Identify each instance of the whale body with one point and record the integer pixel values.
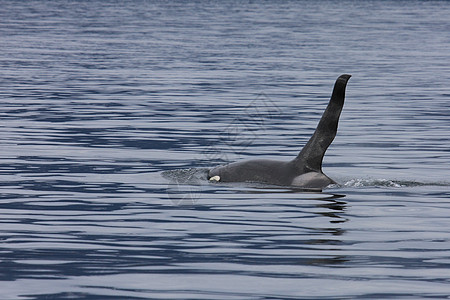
(304, 171)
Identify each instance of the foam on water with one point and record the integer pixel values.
(358, 182)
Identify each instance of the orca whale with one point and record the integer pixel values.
(304, 171)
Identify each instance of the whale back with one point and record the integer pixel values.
(311, 156)
(306, 169)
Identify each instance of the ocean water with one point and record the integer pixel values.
(111, 113)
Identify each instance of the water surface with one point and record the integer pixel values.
(99, 100)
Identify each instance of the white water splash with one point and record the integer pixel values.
(373, 183)
(389, 183)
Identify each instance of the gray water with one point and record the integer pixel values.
(112, 111)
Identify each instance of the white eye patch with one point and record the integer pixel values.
(215, 178)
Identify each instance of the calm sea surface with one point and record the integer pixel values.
(112, 111)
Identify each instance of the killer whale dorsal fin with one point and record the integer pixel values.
(311, 156)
